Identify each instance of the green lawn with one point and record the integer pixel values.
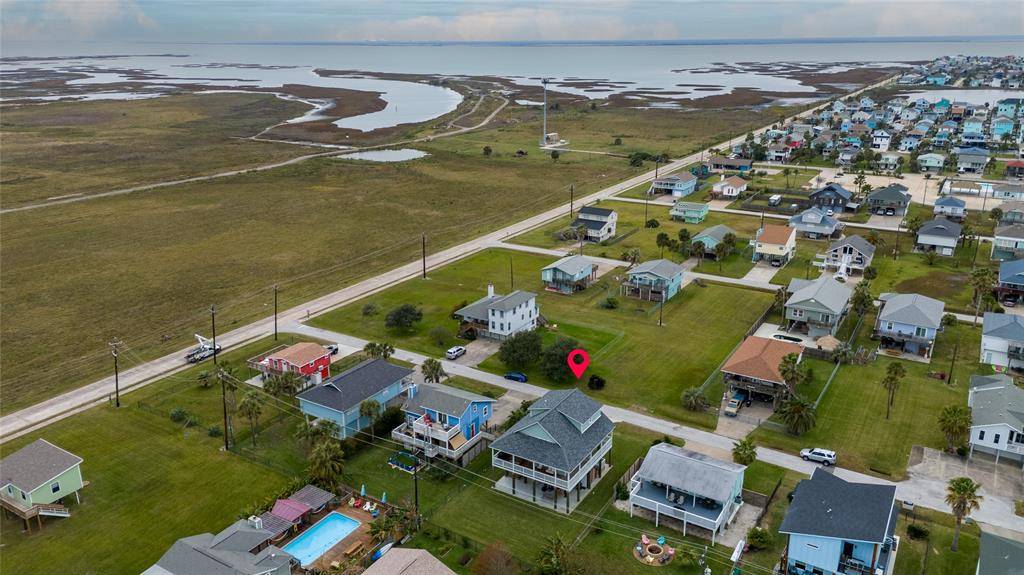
(626, 344)
(802, 264)
(935, 555)
(797, 178)
(979, 221)
(735, 265)
(947, 279)
(855, 406)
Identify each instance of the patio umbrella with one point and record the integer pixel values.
(384, 497)
(362, 491)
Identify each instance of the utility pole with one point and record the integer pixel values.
(572, 193)
(511, 275)
(423, 252)
(224, 405)
(114, 344)
(647, 197)
(213, 328)
(275, 312)
(952, 363)
(416, 493)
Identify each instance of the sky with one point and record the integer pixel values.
(498, 20)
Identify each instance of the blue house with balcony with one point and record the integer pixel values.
(975, 125)
(569, 274)
(836, 526)
(678, 185)
(338, 399)
(1008, 107)
(655, 280)
(689, 212)
(444, 421)
(908, 324)
(1002, 125)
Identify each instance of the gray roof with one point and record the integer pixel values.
(400, 561)
(559, 415)
(441, 398)
(911, 309)
(594, 211)
(1012, 271)
(994, 403)
(1010, 231)
(35, 464)
(950, 201)
(940, 227)
(824, 291)
(690, 471)
(227, 553)
(814, 220)
(313, 496)
(679, 177)
(1003, 325)
(1000, 556)
(836, 189)
(572, 265)
(590, 224)
(661, 268)
(856, 242)
(717, 233)
(478, 309)
(996, 379)
(890, 193)
(827, 506)
(350, 388)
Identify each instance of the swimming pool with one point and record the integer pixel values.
(316, 540)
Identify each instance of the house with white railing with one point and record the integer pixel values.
(689, 487)
(444, 421)
(557, 453)
(37, 480)
(997, 416)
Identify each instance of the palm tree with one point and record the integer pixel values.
(383, 527)
(791, 371)
(313, 431)
(744, 451)
(862, 300)
(205, 378)
(326, 463)
(433, 372)
(698, 250)
(995, 214)
(843, 353)
(554, 557)
(370, 408)
(874, 238)
(694, 400)
(913, 224)
(981, 280)
(382, 350)
(285, 384)
(781, 297)
(894, 374)
(955, 423)
(721, 252)
(632, 256)
(962, 497)
(251, 407)
(798, 415)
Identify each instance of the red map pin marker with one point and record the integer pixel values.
(578, 361)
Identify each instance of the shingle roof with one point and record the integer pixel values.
(682, 205)
(661, 268)
(835, 188)
(1004, 325)
(595, 211)
(940, 227)
(33, 465)
(590, 224)
(734, 181)
(690, 471)
(512, 300)
(828, 506)
(814, 220)
(227, 553)
(556, 415)
(350, 388)
(1012, 271)
(572, 265)
(950, 201)
(997, 403)
(825, 291)
(441, 398)
(400, 561)
(1000, 556)
(774, 234)
(759, 358)
(716, 232)
(856, 242)
(478, 310)
(680, 177)
(911, 309)
(1010, 231)
(301, 353)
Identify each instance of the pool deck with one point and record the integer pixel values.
(337, 553)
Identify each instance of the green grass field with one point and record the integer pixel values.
(626, 344)
(66, 148)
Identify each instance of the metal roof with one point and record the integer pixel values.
(33, 465)
(690, 471)
(828, 506)
(1000, 556)
(995, 403)
(443, 399)
(911, 309)
(1004, 325)
(824, 291)
(661, 268)
(350, 388)
(1012, 271)
(572, 265)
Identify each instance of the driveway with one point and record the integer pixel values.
(478, 350)
(877, 221)
(761, 272)
(1004, 479)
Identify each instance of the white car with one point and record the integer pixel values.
(455, 352)
(822, 456)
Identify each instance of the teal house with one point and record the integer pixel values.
(1001, 126)
(712, 236)
(339, 398)
(36, 480)
(445, 421)
(689, 212)
(569, 274)
(656, 280)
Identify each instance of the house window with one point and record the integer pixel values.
(920, 332)
(10, 489)
(485, 411)
(817, 571)
(888, 326)
(474, 408)
(23, 495)
(812, 545)
(55, 487)
(799, 565)
(981, 435)
(798, 313)
(995, 439)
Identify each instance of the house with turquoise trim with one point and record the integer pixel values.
(569, 274)
(689, 212)
(655, 280)
(975, 125)
(1000, 126)
(444, 421)
(339, 398)
(678, 185)
(837, 526)
(711, 237)
(36, 480)
(1008, 107)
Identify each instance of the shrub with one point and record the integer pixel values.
(610, 303)
(915, 531)
(870, 273)
(438, 335)
(178, 415)
(553, 362)
(487, 150)
(621, 491)
(520, 350)
(651, 223)
(403, 316)
(465, 559)
(596, 382)
(214, 431)
(370, 309)
(759, 538)
(617, 142)
(962, 450)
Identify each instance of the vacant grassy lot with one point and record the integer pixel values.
(83, 147)
(855, 406)
(626, 344)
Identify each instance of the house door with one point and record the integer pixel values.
(847, 549)
(472, 430)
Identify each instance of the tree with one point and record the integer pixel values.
(729, 239)
(981, 280)
(632, 256)
(555, 558)
(781, 297)
(521, 350)
(861, 301)
(962, 497)
(995, 214)
(381, 350)
(383, 528)
(433, 372)
(684, 237)
(487, 150)
(843, 353)
(874, 238)
(662, 240)
(744, 451)
(403, 316)
(652, 223)
(285, 384)
(860, 181)
(698, 250)
(555, 154)
(313, 431)
(893, 377)
(495, 559)
(955, 423)
(721, 252)
(251, 407)
(694, 400)
(798, 415)
(792, 372)
(914, 224)
(554, 360)
(370, 409)
(326, 464)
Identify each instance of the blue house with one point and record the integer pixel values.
(445, 421)
(569, 274)
(972, 139)
(655, 280)
(836, 526)
(711, 237)
(338, 399)
(679, 185)
(846, 125)
(908, 324)
(1008, 107)
(941, 139)
(689, 212)
(1002, 125)
(976, 125)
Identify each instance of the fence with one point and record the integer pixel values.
(767, 503)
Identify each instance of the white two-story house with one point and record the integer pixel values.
(997, 416)
(1002, 340)
(598, 223)
(497, 316)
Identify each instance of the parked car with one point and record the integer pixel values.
(831, 212)
(776, 263)
(200, 353)
(822, 456)
(890, 211)
(455, 352)
(735, 403)
(333, 348)
(517, 376)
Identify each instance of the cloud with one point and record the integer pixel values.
(906, 18)
(71, 19)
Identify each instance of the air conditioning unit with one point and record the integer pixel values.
(255, 522)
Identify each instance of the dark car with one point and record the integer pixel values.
(333, 348)
(517, 376)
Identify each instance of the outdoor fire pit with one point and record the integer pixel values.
(652, 554)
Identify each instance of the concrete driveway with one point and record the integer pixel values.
(761, 272)
(478, 350)
(1005, 479)
(877, 221)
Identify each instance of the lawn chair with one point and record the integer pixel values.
(352, 502)
(661, 540)
(644, 540)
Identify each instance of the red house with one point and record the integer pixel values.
(1015, 169)
(310, 360)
